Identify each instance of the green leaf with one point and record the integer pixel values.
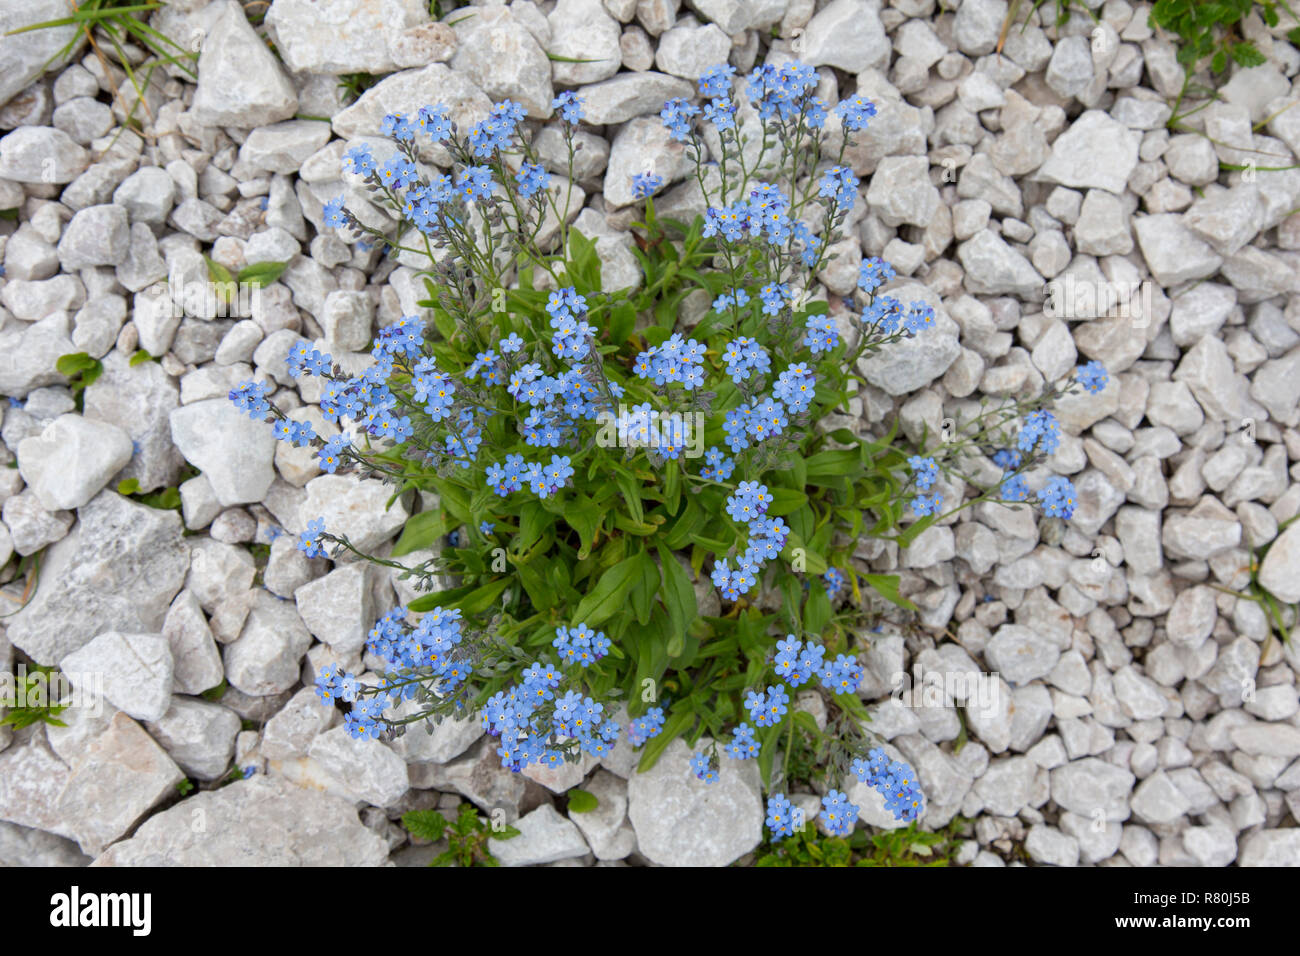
(609, 594)
(139, 357)
(785, 501)
(74, 363)
(646, 587)
(886, 585)
(678, 597)
(217, 272)
(420, 531)
(425, 824)
(580, 801)
(128, 486)
(261, 274)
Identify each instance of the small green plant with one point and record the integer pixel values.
(81, 370)
(352, 85)
(30, 702)
(1063, 10)
(1277, 610)
(1212, 31)
(169, 499)
(466, 838)
(110, 27)
(908, 846)
(186, 787)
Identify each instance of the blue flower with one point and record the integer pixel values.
(855, 112)
(646, 726)
(645, 184)
(511, 343)
(532, 178)
(716, 81)
(839, 185)
(1008, 459)
(333, 214)
(873, 273)
(1058, 497)
(702, 767)
(1015, 489)
(248, 397)
(927, 505)
(895, 781)
(838, 815)
(676, 115)
(475, 182)
(309, 542)
(569, 105)
(834, 581)
(1092, 376)
(485, 527)
(781, 816)
(1040, 429)
(822, 335)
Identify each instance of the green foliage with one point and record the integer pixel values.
(139, 358)
(186, 787)
(168, 499)
(580, 801)
(81, 371)
(114, 30)
(608, 556)
(32, 689)
(1210, 30)
(352, 85)
(257, 275)
(909, 846)
(466, 837)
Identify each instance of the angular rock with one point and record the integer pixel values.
(679, 823)
(265, 659)
(1096, 152)
(233, 451)
(198, 735)
(262, 821)
(544, 837)
(240, 80)
(71, 460)
(133, 671)
(118, 570)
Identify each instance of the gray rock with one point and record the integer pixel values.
(1096, 152)
(94, 789)
(118, 570)
(1270, 848)
(916, 362)
(681, 821)
(1158, 800)
(339, 607)
(354, 508)
(366, 769)
(1279, 573)
(28, 353)
(977, 25)
(24, 57)
(147, 195)
(233, 451)
(622, 97)
(689, 49)
(41, 154)
(1050, 846)
(257, 822)
(1172, 251)
(504, 60)
(283, 147)
(1083, 786)
(994, 268)
(345, 36)
(1007, 786)
(196, 663)
(544, 837)
(288, 735)
(198, 735)
(265, 658)
(23, 846)
(642, 145)
(582, 30)
(30, 526)
(848, 35)
(605, 828)
(71, 460)
(240, 80)
(134, 672)
(901, 191)
(1020, 653)
(139, 400)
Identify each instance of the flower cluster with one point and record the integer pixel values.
(894, 781)
(677, 361)
(747, 506)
